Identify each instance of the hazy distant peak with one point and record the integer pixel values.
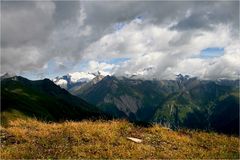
(8, 75)
(102, 73)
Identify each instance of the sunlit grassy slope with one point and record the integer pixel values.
(31, 139)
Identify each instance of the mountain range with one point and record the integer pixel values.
(184, 102)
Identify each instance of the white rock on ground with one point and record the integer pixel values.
(134, 139)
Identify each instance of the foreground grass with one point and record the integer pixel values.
(32, 139)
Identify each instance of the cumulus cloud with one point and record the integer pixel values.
(167, 37)
(163, 50)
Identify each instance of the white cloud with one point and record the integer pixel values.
(61, 82)
(80, 77)
(169, 51)
(102, 67)
(94, 65)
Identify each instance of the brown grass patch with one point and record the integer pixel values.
(32, 139)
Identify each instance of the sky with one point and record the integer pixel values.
(157, 39)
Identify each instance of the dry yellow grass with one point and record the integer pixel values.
(32, 139)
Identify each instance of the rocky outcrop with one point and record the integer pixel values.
(127, 104)
(124, 103)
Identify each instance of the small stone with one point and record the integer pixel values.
(135, 139)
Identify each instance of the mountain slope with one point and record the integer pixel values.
(78, 89)
(132, 98)
(173, 103)
(43, 99)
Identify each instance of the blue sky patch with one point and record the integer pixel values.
(117, 60)
(211, 52)
(119, 26)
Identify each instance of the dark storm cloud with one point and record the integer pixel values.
(26, 31)
(206, 15)
(45, 30)
(102, 14)
(31, 23)
(25, 23)
(65, 10)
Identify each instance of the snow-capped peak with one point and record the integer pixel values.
(77, 78)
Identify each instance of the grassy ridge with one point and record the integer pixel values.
(44, 100)
(32, 139)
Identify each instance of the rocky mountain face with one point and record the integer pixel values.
(78, 89)
(184, 102)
